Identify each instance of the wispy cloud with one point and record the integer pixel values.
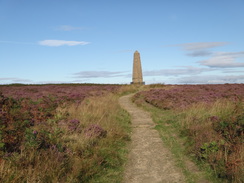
(56, 43)
(231, 71)
(6, 79)
(15, 80)
(80, 81)
(50, 43)
(211, 79)
(200, 49)
(199, 53)
(177, 72)
(69, 28)
(22, 80)
(200, 45)
(98, 74)
(224, 60)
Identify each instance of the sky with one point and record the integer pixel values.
(93, 41)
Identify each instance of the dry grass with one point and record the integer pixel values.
(127, 89)
(200, 112)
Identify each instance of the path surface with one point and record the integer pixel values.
(149, 161)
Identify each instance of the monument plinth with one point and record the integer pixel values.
(137, 70)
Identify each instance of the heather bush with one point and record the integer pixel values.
(70, 92)
(73, 125)
(19, 116)
(186, 95)
(95, 131)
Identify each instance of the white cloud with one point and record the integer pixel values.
(200, 45)
(224, 60)
(98, 74)
(61, 43)
(176, 72)
(69, 28)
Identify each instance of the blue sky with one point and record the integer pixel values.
(93, 41)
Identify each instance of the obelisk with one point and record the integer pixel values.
(137, 70)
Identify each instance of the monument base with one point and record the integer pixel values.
(133, 83)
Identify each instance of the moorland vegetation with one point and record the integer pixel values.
(78, 133)
(62, 133)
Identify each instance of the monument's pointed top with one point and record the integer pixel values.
(136, 51)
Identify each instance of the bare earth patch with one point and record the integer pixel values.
(149, 161)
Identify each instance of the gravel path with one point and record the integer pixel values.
(149, 161)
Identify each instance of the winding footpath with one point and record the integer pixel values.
(149, 161)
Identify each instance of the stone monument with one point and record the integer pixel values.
(137, 70)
